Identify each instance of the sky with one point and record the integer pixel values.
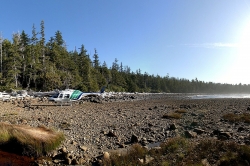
(204, 39)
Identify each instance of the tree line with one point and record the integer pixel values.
(29, 62)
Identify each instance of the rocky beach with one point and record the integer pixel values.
(99, 126)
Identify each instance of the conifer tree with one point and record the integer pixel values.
(42, 42)
(96, 60)
(84, 65)
(24, 51)
(34, 62)
(13, 64)
(106, 73)
(58, 38)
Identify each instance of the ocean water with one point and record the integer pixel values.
(219, 96)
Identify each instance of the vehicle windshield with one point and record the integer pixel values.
(55, 95)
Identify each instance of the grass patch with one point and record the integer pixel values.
(220, 153)
(181, 151)
(181, 111)
(172, 115)
(245, 117)
(10, 114)
(202, 111)
(29, 141)
(131, 158)
(174, 145)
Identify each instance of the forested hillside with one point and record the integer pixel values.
(30, 62)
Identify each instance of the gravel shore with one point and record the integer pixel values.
(93, 128)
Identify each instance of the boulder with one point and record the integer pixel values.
(111, 134)
(190, 134)
(63, 150)
(82, 161)
(74, 162)
(68, 161)
(106, 156)
(226, 134)
(199, 131)
(134, 139)
(240, 129)
(173, 126)
(84, 148)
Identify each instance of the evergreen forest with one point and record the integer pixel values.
(31, 62)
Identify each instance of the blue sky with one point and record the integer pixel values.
(204, 39)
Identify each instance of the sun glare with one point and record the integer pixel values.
(239, 71)
(244, 40)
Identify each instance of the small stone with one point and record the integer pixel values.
(73, 142)
(111, 134)
(121, 145)
(81, 161)
(134, 139)
(151, 140)
(57, 161)
(173, 126)
(104, 132)
(224, 136)
(190, 134)
(240, 129)
(66, 155)
(53, 154)
(199, 131)
(63, 150)
(150, 124)
(68, 161)
(194, 114)
(141, 160)
(99, 162)
(24, 121)
(148, 159)
(84, 148)
(106, 156)
(74, 162)
(215, 132)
